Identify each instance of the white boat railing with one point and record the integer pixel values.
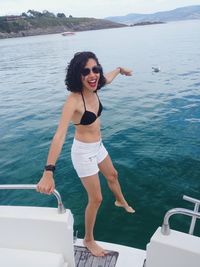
(61, 208)
(195, 214)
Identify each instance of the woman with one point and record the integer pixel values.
(83, 107)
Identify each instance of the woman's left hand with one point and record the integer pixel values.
(125, 71)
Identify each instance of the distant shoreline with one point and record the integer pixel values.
(20, 26)
(144, 23)
(37, 32)
(181, 13)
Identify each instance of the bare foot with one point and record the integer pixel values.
(95, 249)
(125, 206)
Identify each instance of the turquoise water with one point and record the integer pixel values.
(150, 123)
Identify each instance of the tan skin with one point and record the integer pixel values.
(72, 112)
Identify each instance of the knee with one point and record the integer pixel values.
(113, 176)
(97, 200)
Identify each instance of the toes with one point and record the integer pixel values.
(95, 249)
(125, 206)
(100, 254)
(129, 209)
(103, 253)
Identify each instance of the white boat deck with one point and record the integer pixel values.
(118, 256)
(35, 236)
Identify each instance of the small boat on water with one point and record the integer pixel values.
(67, 33)
(40, 237)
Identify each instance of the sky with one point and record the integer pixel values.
(92, 8)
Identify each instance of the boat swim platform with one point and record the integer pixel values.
(83, 257)
(118, 256)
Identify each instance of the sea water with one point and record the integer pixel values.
(150, 123)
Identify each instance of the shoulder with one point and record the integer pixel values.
(73, 100)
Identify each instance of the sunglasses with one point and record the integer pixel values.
(87, 71)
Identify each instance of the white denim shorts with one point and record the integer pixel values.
(87, 156)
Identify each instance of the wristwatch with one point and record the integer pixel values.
(50, 167)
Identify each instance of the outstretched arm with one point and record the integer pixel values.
(110, 76)
(46, 184)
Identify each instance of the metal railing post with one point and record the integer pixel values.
(196, 209)
(166, 227)
(61, 208)
(194, 214)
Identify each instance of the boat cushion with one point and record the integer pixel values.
(23, 258)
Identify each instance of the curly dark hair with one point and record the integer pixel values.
(73, 76)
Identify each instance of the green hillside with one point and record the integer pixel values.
(34, 22)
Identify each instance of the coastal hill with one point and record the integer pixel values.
(36, 23)
(183, 13)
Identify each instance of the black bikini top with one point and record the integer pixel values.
(89, 117)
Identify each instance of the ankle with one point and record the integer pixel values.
(88, 239)
(122, 201)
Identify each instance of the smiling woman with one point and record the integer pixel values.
(89, 156)
(77, 71)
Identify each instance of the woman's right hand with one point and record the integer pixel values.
(46, 184)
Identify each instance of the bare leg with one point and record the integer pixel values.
(108, 170)
(92, 186)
